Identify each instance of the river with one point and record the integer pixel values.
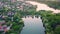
(41, 6)
(35, 25)
(32, 26)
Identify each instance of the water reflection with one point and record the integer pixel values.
(31, 17)
(33, 25)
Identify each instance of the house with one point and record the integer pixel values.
(2, 22)
(10, 14)
(1, 4)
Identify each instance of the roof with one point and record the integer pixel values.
(2, 22)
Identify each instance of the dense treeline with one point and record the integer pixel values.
(53, 4)
(51, 22)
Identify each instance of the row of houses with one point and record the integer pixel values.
(21, 5)
(3, 27)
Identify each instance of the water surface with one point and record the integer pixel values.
(32, 26)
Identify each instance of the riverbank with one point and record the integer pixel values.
(42, 6)
(50, 21)
(49, 18)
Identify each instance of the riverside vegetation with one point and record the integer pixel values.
(51, 21)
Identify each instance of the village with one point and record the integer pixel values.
(21, 5)
(6, 16)
(24, 17)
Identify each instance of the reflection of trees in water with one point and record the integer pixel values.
(28, 16)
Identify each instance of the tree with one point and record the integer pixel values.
(57, 30)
